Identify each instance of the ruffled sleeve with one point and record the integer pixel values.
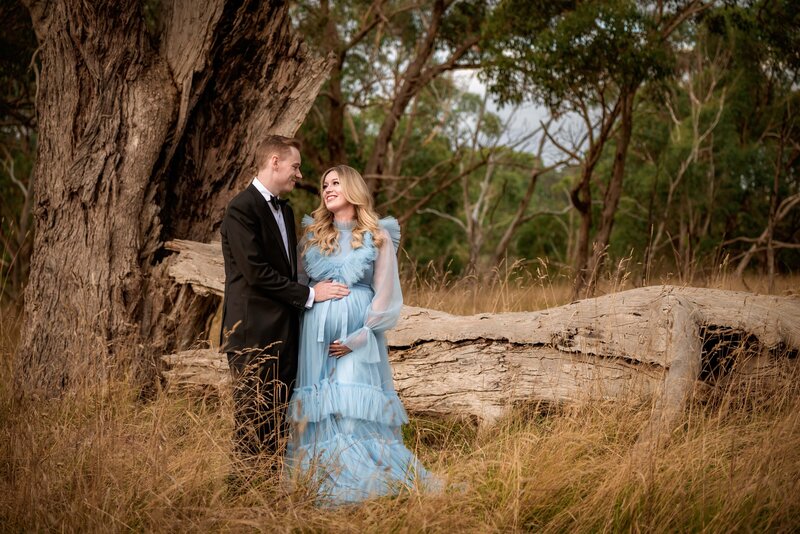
(392, 227)
(384, 310)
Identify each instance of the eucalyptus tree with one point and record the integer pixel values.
(715, 166)
(587, 59)
(673, 176)
(148, 114)
(765, 39)
(386, 53)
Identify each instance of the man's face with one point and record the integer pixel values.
(286, 171)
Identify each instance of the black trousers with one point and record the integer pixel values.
(261, 393)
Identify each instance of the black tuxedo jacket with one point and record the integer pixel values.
(263, 300)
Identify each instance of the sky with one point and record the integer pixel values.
(523, 118)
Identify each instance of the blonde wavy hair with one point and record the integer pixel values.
(322, 231)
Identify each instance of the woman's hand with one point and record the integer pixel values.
(337, 350)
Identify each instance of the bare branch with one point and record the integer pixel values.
(556, 213)
(8, 165)
(572, 153)
(693, 8)
(444, 216)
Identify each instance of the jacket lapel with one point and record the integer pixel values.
(268, 220)
(288, 219)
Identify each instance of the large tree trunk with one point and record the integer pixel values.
(647, 343)
(139, 143)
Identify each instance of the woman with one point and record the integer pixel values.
(345, 412)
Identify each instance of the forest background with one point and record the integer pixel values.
(669, 143)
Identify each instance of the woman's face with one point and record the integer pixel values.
(332, 193)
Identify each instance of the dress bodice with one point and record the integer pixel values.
(346, 249)
(347, 265)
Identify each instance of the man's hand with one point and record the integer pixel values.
(328, 289)
(337, 350)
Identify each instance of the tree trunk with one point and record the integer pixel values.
(138, 144)
(335, 134)
(581, 196)
(520, 216)
(613, 192)
(415, 77)
(773, 205)
(412, 82)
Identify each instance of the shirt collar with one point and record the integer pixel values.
(263, 190)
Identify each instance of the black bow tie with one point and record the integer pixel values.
(277, 203)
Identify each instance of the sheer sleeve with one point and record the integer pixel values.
(384, 310)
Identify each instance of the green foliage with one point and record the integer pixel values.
(742, 57)
(557, 51)
(565, 52)
(726, 191)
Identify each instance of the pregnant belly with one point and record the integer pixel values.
(336, 319)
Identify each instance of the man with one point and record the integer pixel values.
(263, 300)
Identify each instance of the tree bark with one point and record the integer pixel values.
(139, 143)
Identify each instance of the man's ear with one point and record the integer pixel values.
(273, 159)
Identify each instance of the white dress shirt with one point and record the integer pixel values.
(278, 214)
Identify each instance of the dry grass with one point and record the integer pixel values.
(105, 460)
(536, 285)
(519, 286)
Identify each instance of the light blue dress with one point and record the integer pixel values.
(345, 413)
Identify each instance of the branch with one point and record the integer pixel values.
(445, 216)
(8, 164)
(572, 153)
(529, 217)
(693, 8)
(377, 16)
(786, 205)
(442, 186)
(754, 249)
(414, 180)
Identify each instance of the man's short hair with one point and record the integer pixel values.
(274, 144)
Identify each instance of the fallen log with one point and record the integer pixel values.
(647, 343)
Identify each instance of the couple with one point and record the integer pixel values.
(304, 326)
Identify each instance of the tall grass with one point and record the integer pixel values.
(532, 285)
(107, 460)
(510, 287)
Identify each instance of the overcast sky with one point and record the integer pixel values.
(524, 118)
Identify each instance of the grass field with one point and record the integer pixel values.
(106, 460)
